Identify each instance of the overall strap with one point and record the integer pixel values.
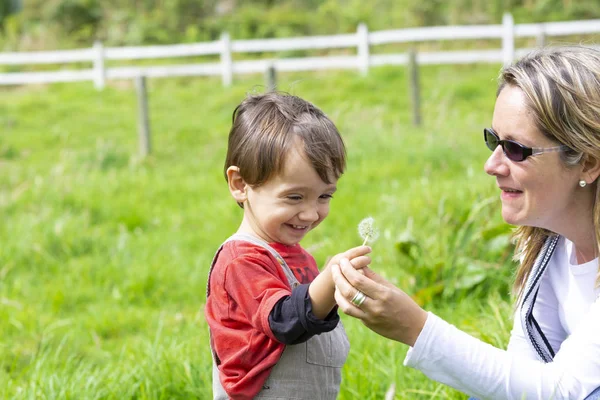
(293, 282)
(218, 391)
(259, 242)
(530, 326)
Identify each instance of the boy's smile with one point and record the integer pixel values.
(286, 207)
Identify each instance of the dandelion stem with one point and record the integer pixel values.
(366, 239)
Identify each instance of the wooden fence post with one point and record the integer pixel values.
(226, 63)
(362, 35)
(271, 78)
(415, 91)
(143, 120)
(508, 39)
(99, 70)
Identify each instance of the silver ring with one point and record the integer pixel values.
(358, 298)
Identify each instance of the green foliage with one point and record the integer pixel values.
(447, 268)
(48, 24)
(8, 7)
(78, 16)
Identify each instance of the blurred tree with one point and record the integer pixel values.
(8, 7)
(134, 22)
(78, 16)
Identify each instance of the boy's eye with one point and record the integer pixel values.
(294, 197)
(327, 196)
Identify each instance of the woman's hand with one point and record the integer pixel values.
(322, 288)
(357, 255)
(387, 310)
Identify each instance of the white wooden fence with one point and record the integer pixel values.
(362, 40)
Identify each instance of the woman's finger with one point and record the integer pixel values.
(357, 252)
(358, 281)
(341, 283)
(341, 296)
(369, 273)
(347, 307)
(350, 254)
(354, 298)
(360, 262)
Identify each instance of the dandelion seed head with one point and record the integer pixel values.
(367, 229)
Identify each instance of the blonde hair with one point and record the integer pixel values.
(562, 91)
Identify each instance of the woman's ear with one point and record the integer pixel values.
(591, 169)
(237, 185)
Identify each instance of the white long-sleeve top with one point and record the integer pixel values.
(567, 309)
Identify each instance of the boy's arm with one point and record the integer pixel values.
(293, 319)
(293, 322)
(322, 288)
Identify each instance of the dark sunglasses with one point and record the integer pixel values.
(515, 151)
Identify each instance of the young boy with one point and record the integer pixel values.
(275, 332)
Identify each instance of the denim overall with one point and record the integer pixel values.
(310, 370)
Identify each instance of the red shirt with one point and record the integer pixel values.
(245, 284)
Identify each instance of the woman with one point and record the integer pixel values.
(545, 143)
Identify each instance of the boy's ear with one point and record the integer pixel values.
(237, 185)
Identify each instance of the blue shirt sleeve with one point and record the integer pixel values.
(292, 320)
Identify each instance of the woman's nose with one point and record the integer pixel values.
(496, 163)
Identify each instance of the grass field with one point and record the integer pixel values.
(104, 255)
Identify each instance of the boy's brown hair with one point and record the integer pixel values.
(265, 128)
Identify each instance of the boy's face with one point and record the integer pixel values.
(290, 204)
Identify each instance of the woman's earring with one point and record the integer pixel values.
(582, 183)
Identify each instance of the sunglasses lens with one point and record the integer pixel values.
(491, 140)
(513, 151)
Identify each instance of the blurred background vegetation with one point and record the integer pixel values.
(105, 255)
(51, 24)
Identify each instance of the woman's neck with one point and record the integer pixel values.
(585, 245)
(577, 225)
(585, 253)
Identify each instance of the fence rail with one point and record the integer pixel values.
(362, 41)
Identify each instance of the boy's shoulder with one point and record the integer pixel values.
(239, 249)
(242, 249)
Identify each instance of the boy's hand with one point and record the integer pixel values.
(322, 288)
(357, 256)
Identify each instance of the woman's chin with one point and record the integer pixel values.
(511, 218)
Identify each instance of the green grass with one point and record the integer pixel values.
(104, 255)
